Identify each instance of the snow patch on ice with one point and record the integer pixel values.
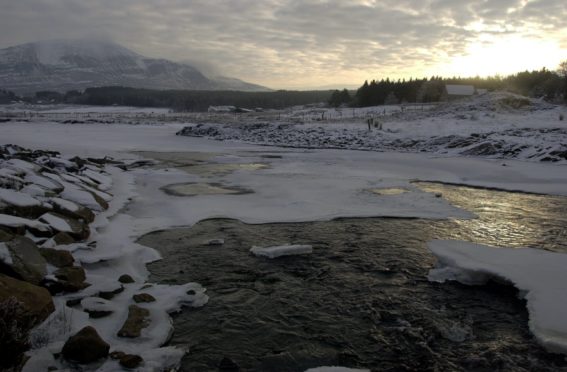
(540, 276)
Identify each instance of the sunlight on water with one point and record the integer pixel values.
(507, 219)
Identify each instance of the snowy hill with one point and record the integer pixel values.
(63, 65)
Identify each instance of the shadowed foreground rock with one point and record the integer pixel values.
(85, 347)
(35, 300)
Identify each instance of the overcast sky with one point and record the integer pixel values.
(311, 43)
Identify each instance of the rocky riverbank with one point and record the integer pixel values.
(58, 309)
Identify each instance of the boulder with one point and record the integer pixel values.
(138, 319)
(85, 347)
(143, 297)
(131, 361)
(75, 228)
(56, 257)
(36, 301)
(25, 261)
(126, 279)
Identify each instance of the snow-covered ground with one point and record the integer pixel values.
(82, 109)
(496, 125)
(292, 184)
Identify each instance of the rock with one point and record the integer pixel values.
(131, 361)
(18, 226)
(107, 295)
(36, 300)
(103, 203)
(62, 238)
(26, 261)
(138, 319)
(56, 257)
(21, 204)
(71, 274)
(72, 210)
(227, 364)
(70, 279)
(97, 307)
(85, 347)
(58, 222)
(143, 297)
(126, 279)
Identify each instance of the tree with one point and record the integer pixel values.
(563, 73)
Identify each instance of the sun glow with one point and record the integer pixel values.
(506, 55)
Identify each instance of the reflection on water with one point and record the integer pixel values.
(507, 219)
(200, 188)
(362, 298)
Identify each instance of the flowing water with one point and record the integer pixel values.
(362, 298)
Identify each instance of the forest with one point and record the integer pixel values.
(544, 83)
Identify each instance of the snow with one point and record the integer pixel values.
(295, 185)
(5, 255)
(79, 195)
(13, 221)
(281, 250)
(539, 275)
(64, 204)
(104, 182)
(56, 222)
(18, 199)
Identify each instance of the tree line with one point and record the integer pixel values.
(180, 100)
(550, 85)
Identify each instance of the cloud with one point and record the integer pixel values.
(289, 42)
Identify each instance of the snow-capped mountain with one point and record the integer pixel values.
(63, 65)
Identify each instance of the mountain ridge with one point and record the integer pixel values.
(63, 65)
